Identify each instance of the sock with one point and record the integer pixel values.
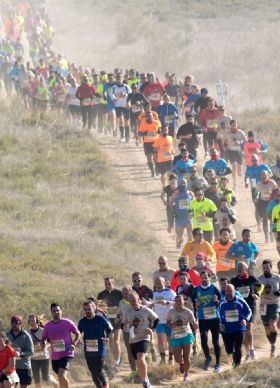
(122, 132)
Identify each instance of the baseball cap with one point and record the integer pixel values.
(16, 319)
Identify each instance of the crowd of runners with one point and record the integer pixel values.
(215, 287)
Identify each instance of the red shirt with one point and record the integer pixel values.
(85, 94)
(5, 354)
(208, 119)
(153, 92)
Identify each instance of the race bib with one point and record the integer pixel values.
(265, 194)
(136, 108)
(154, 97)
(168, 119)
(86, 101)
(166, 154)
(225, 262)
(58, 345)
(132, 332)
(172, 99)
(253, 183)
(151, 134)
(232, 315)
(209, 312)
(92, 345)
(212, 124)
(180, 331)
(244, 291)
(119, 95)
(112, 311)
(38, 351)
(263, 309)
(201, 220)
(183, 204)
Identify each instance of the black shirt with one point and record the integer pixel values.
(189, 129)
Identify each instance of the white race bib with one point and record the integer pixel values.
(135, 108)
(58, 345)
(232, 315)
(209, 312)
(154, 96)
(180, 331)
(183, 204)
(263, 309)
(225, 262)
(253, 183)
(92, 345)
(168, 119)
(244, 291)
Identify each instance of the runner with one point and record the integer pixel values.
(8, 377)
(112, 296)
(201, 266)
(179, 319)
(163, 301)
(188, 133)
(135, 102)
(235, 314)
(107, 87)
(119, 93)
(220, 166)
(153, 91)
(253, 173)
(164, 271)
(184, 267)
(59, 332)
(85, 93)
(270, 303)
(264, 190)
(227, 192)
(198, 244)
(141, 320)
(244, 250)
(233, 140)
(182, 166)
(96, 333)
(73, 102)
(203, 213)
(168, 114)
(207, 297)
(183, 216)
(250, 290)
(148, 128)
(208, 120)
(144, 292)
(214, 195)
(123, 305)
(253, 146)
(276, 219)
(225, 217)
(165, 196)
(22, 343)
(165, 153)
(40, 359)
(224, 267)
(195, 181)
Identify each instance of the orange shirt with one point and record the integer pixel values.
(164, 147)
(192, 248)
(151, 130)
(5, 354)
(143, 115)
(223, 264)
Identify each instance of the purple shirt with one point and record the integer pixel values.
(59, 335)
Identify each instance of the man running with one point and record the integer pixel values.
(270, 303)
(164, 271)
(143, 291)
(96, 332)
(59, 333)
(165, 153)
(112, 296)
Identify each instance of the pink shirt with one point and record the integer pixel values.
(59, 335)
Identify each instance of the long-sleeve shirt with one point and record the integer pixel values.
(232, 312)
(24, 345)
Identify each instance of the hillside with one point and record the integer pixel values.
(65, 221)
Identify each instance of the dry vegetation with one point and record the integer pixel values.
(65, 222)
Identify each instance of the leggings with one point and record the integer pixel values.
(233, 344)
(214, 326)
(95, 365)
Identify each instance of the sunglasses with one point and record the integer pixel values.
(136, 281)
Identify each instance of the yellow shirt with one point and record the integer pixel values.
(192, 248)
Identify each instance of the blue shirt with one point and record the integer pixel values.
(219, 166)
(207, 309)
(165, 112)
(94, 330)
(254, 172)
(249, 250)
(232, 312)
(182, 168)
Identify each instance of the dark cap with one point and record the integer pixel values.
(16, 319)
(251, 134)
(204, 91)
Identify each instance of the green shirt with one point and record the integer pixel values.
(200, 220)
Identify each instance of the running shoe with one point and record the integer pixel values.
(182, 368)
(217, 368)
(273, 353)
(186, 377)
(207, 364)
(252, 354)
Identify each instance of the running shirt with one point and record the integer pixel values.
(249, 251)
(182, 168)
(150, 130)
(232, 312)
(208, 119)
(199, 208)
(166, 296)
(247, 286)
(207, 309)
(250, 148)
(264, 190)
(93, 331)
(73, 100)
(119, 95)
(223, 219)
(233, 140)
(271, 285)
(5, 355)
(36, 336)
(192, 248)
(254, 173)
(165, 149)
(167, 113)
(220, 166)
(138, 321)
(221, 249)
(85, 93)
(276, 216)
(182, 320)
(153, 92)
(123, 306)
(59, 336)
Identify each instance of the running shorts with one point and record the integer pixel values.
(163, 328)
(187, 340)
